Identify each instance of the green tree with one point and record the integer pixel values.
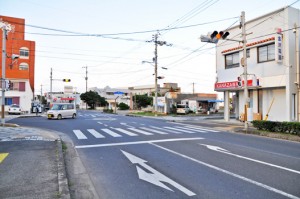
(123, 106)
(93, 99)
(142, 100)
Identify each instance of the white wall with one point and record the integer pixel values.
(25, 97)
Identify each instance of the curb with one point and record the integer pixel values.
(63, 187)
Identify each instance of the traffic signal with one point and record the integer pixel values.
(8, 84)
(215, 36)
(66, 80)
(239, 81)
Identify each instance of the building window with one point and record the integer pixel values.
(18, 86)
(12, 100)
(232, 60)
(24, 52)
(266, 53)
(23, 66)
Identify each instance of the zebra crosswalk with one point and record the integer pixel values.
(137, 131)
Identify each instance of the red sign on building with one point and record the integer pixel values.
(230, 85)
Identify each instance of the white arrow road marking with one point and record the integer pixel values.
(230, 173)
(154, 177)
(221, 150)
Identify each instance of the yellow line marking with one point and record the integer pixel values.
(3, 156)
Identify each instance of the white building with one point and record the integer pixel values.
(20, 94)
(274, 60)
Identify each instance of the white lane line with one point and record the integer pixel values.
(93, 115)
(79, 134)
(99, 122)
(138, 142)
(109, 132)
(196, 130)
(168, 130)
(230, 173)
(140, 131)
(126, 132)
(181, 130)
(153, 130)
(95, 133)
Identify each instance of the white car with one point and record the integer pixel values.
(14, 109)
(62, 110)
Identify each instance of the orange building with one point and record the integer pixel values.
(20, 71)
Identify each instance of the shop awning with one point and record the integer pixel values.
(215, 100)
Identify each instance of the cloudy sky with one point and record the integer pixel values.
(112, 38)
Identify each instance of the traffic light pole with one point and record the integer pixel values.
(245, 70)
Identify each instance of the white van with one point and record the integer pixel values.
(182, 109)
(62, 110)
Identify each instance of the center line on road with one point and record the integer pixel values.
(138, 142)
(230, 173)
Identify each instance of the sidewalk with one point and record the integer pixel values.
(31, 164)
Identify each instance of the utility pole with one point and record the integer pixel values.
(41, 101)
(5, 28)
(51, 95)
(243, 26)
(193, 88)
(86, 81)
(155, 73)
(296, 115)
(161, 43)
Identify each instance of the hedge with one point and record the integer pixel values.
(281, 127)
(108, 110)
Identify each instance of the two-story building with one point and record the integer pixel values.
(19, 71)
(272, 66)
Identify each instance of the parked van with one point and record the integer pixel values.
(182, 109)
(62, 110)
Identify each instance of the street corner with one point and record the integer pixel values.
(18, 133)
(18, 160)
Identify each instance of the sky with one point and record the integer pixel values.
(113, 38)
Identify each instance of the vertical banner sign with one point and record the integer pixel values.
(278, 48)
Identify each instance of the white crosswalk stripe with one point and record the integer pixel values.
(95, 133)
(79, 134)
(140, 131)
(185, 131)
(167, 130)
(153, 130)
(126, 132)
(196, 130)
(200, 128)
(136, 131)
(109, 132)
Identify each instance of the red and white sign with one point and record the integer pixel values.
(231, 85)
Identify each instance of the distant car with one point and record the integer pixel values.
(182, 109)
(14, 109)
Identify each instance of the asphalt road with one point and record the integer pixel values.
(132, 157)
